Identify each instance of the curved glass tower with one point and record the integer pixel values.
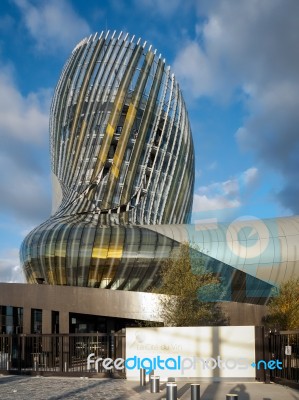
(122, 158)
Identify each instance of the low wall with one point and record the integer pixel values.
(215, 353)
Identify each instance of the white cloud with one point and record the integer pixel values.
(25, 118)
(24, 180)
(24, 192)
(251, 47)
(205, 203)
(194, 71)
(226, 194)
(53, 24)
(250, 176)
(227, 188)
(24, 148)
(217, 196)
(10, 270)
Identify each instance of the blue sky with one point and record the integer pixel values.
(237, 63)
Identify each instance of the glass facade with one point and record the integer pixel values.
(122, 156)
(115, 257)
(122, 163)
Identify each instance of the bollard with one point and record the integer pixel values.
(195, 391)
(231, 396)
(142, 377)
(152, 373)
(171, 391)
(155, 384)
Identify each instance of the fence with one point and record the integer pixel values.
(58, 353)
(284, 346)
(67, 353)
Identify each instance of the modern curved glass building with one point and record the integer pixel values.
(123, 177)
(122, 158)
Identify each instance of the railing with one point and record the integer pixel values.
(67, 354)
(58, 353)
(284, 346)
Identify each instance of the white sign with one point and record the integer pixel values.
(188, 352)
(288, 350)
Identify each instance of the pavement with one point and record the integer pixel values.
(55, 388)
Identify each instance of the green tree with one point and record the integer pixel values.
(284, 307)
(189, 287)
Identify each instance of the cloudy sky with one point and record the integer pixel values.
(237, 63)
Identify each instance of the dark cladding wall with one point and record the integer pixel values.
(122, 155)
(65, 300)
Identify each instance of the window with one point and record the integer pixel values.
(36, 320)
(11, 319)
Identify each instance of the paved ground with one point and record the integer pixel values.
(40, 388)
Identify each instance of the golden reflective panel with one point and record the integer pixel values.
(120, 136)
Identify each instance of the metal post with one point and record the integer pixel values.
(232, 396)
(142, 377)
(195, 391)
(112, 344)
(152, 373)
(266, 357)
(60, 347)
(155, 384)
(171, 391)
